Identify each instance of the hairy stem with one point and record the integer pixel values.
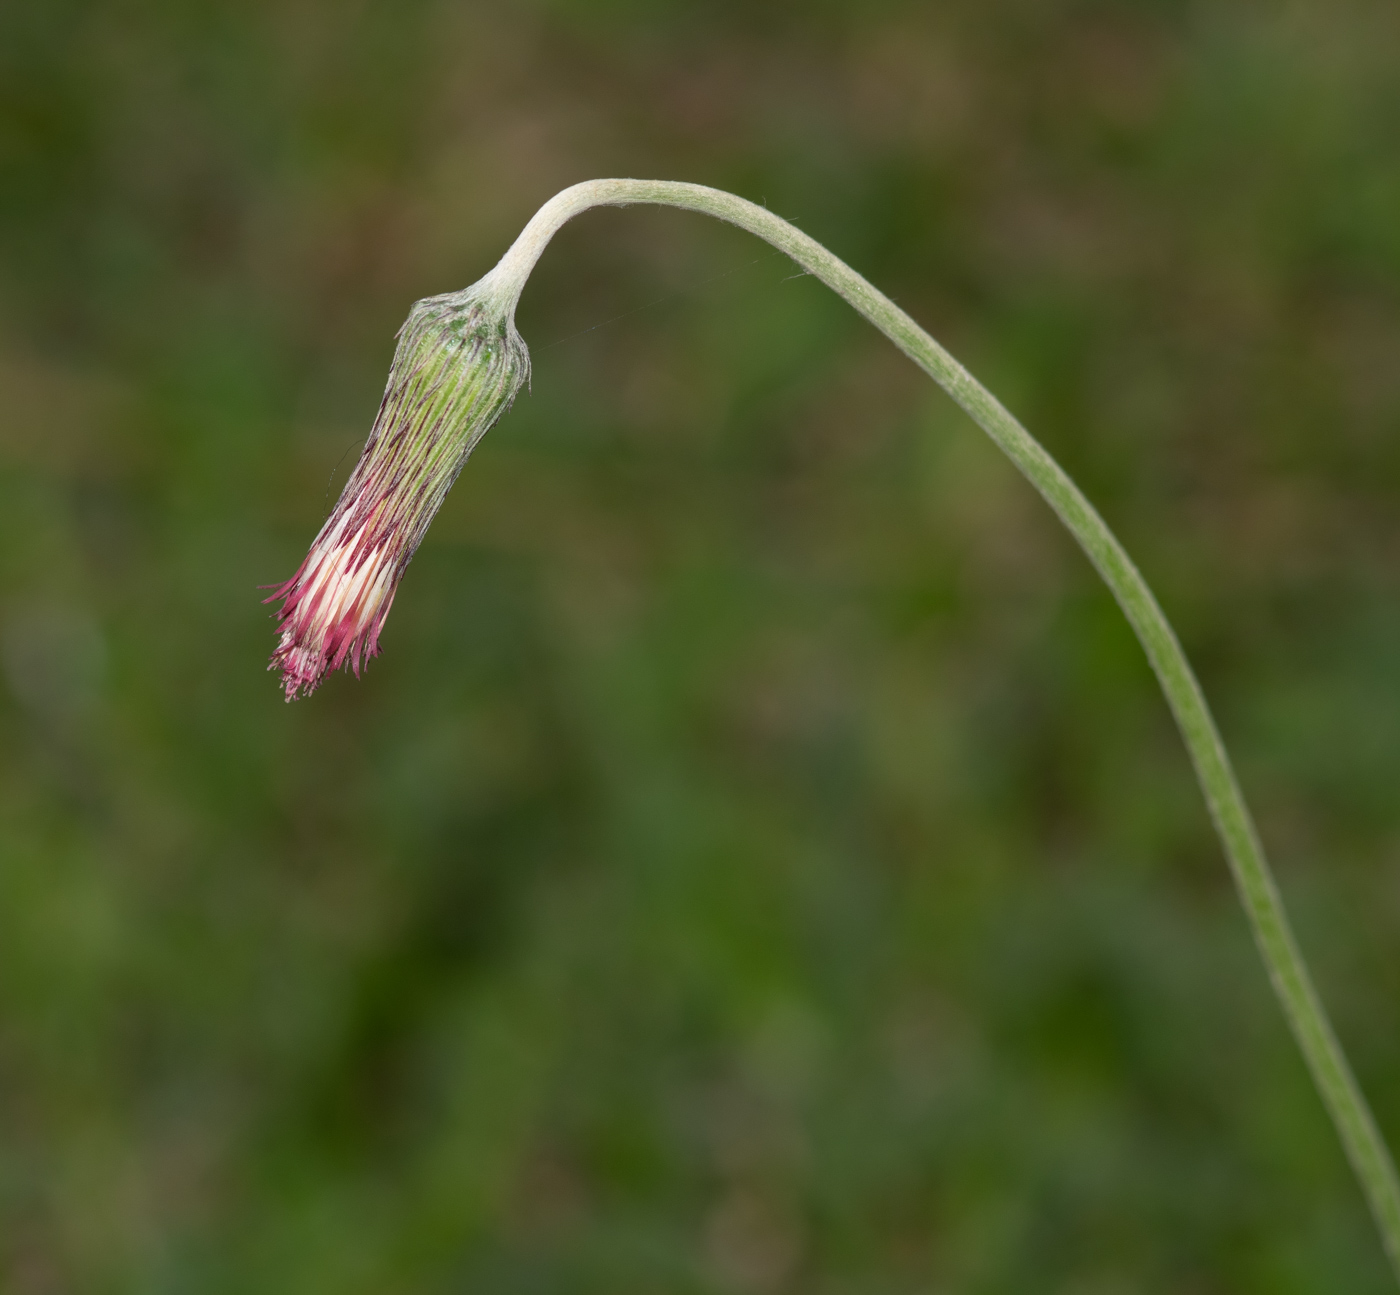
(1307, 1017)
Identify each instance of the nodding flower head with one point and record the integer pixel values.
(457, 367)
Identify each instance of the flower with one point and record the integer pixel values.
(457, 367)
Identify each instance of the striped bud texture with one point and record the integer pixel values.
(457, 367)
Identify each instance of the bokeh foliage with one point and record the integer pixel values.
(761, 861)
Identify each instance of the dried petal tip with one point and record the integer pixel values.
(332, 609)
(457, 367)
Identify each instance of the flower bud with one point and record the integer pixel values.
(457, 367)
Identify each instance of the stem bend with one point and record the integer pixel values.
(1365, 1148)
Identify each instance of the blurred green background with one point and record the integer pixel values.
(761, 861)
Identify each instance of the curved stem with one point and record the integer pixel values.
(1307, 1017)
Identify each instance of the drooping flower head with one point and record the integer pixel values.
(457, 367)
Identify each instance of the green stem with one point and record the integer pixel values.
(1306, 1015)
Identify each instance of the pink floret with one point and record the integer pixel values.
(332, 611)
